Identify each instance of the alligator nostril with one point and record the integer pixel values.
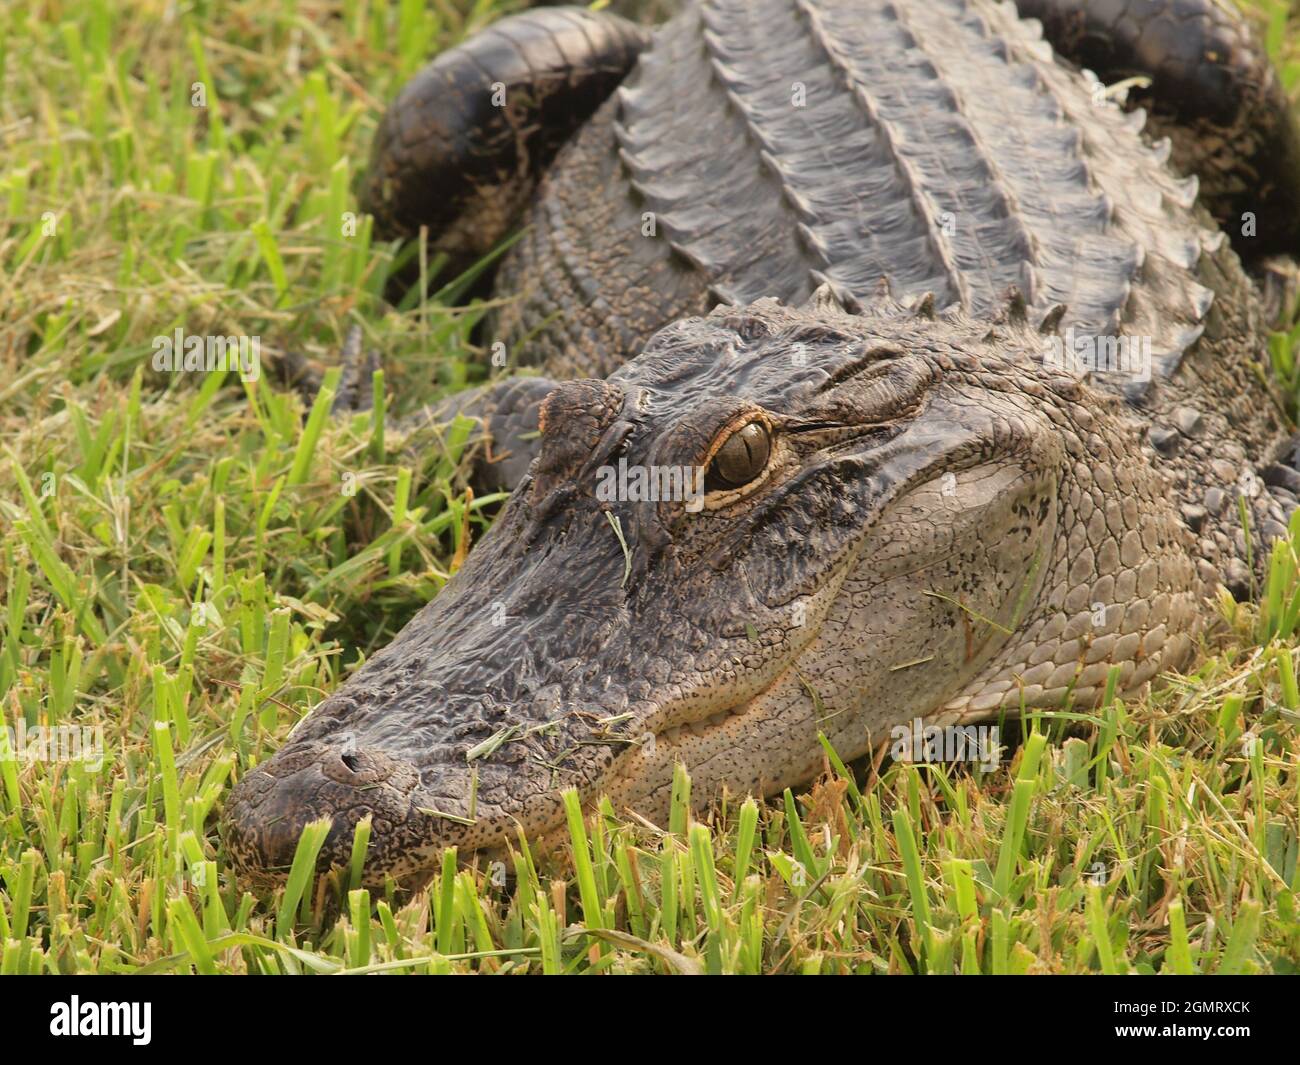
(350, 760)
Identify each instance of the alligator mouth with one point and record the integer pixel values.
(671, 738)
(708, 725)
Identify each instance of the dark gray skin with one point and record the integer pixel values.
(907, 512)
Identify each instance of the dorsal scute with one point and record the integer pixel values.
(782, 145)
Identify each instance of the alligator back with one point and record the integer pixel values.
(761, 147)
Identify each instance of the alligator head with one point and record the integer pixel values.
(900, 516)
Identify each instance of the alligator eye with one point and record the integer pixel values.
(741, 458)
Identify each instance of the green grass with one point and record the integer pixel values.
(189, 568)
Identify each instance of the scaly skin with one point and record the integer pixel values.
(941, 523)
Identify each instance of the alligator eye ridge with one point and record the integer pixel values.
(741, 458)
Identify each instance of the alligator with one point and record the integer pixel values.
(960, 354)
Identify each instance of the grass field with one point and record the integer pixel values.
(188, 566)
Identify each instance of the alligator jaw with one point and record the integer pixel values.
(342, 776)
(704, 726)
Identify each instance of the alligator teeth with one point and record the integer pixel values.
(700, 727)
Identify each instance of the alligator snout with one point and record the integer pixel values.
(270, 807)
